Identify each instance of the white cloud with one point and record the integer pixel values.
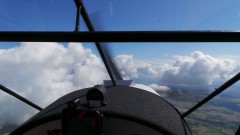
(130, 68)
(195, 69)
(126, 66)
(199, 69)
(43, 72)
(159, 88)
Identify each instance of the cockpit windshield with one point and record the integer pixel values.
(181, 73)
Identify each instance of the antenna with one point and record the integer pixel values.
(10, 92)
(213, 94)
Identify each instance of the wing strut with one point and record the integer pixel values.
(213, 94)
(10, 92)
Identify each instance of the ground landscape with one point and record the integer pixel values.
(218, 117)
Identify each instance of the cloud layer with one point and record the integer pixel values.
(195, 69)
(199, 69)
(43, 72)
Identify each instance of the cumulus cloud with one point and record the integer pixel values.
(199, 69)
(43, 72)
(130, 68)
(195, 69)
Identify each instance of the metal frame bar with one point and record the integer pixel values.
(121, 36)
(3, 88)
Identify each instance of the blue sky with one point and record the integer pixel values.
(59, 15)
(151, 51)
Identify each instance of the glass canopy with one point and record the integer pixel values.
(182, 73)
